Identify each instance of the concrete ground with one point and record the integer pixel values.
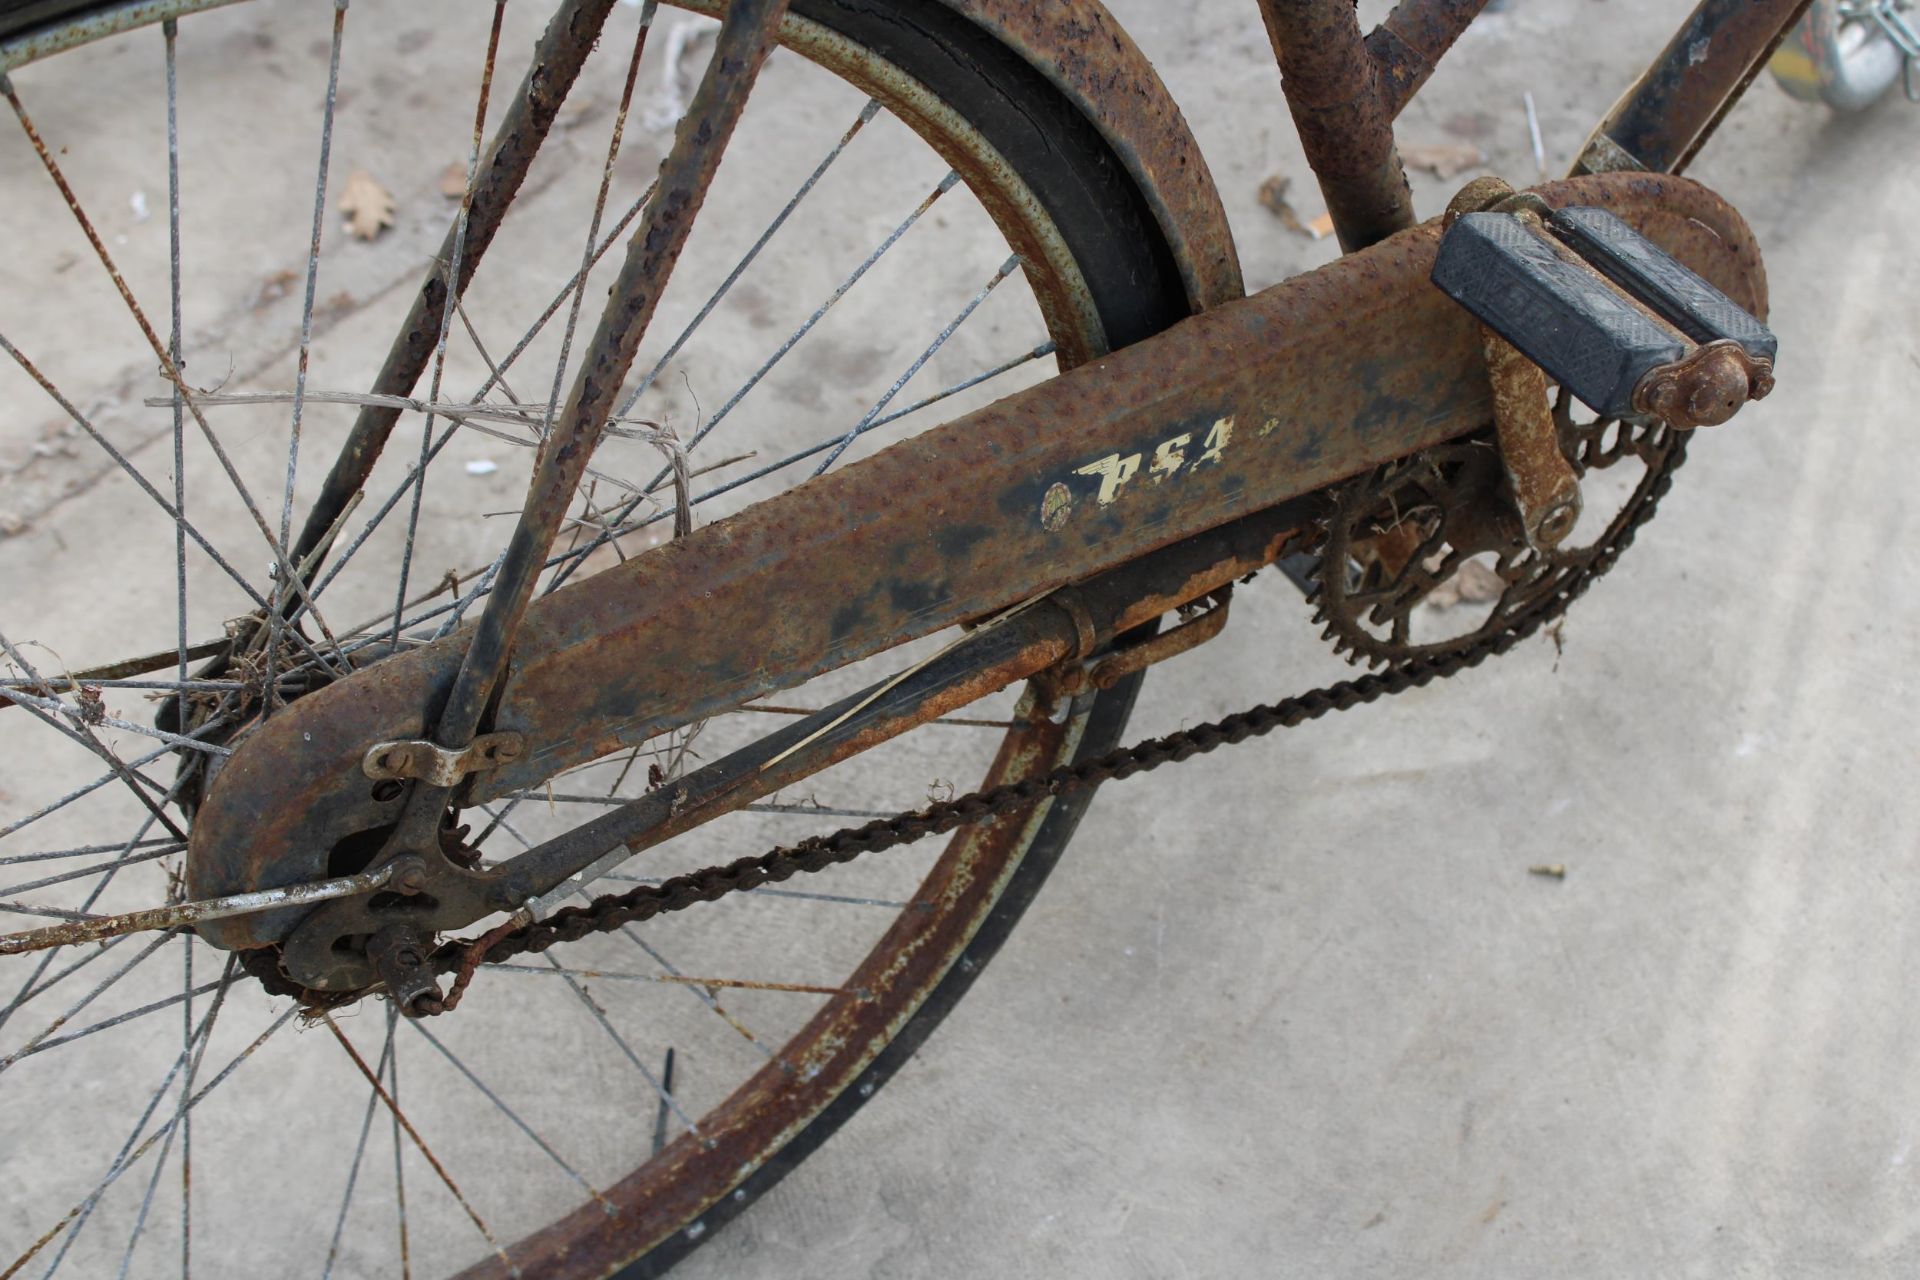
(1300, 1009)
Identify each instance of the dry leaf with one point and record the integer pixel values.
(1443, 159)
(275, 287)
(453, 181)
(1273, 195)
(367, 204)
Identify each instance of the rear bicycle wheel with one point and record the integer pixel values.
(782, 1010)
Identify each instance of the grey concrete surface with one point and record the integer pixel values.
(1298, 1009)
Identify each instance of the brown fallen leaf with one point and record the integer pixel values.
(275, 287)
(367, 204)
(453, 181)
(1273, 196)
(1443, 159)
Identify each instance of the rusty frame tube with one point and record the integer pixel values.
(1228, 413)
(1409, 43)
(746, 35)
(557, 60)
(1333, 89)
(1673, 108)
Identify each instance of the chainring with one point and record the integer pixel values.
(1399, 534)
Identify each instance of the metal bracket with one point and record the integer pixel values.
(438, 766)
(1071, 678)
(1546, 492)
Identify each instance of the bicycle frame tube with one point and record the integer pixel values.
(1676, 104)
(1345, 92)
(1278, 395)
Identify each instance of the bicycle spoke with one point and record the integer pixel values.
(40, 1044)
(495, 376)
(703, 996)
(50, 707)
(169, 30)
(67, 406)
(46, 709)
(128, 1156)
(27, 989)
(967, 384)
(160, 1162)
(170, 846)
(840, 291)
(78, 793)
(867, 113)
(607, 975)
(181, 1118)
(507, 1111)
(168, 368)
(866, 423)
(599, 210)
(599, 1015)
(276, 621)
(452, 286)
(80, 873)
(414, 1136)
(359, 1151)
(399, 1171)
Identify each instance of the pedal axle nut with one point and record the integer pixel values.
(1705, 388)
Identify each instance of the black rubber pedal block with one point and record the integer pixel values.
(1661, 283)
(1558, 311)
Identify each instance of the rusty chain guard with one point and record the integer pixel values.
(1548, 600)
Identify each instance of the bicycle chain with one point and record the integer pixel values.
(610, 912)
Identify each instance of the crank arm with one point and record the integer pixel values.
(1231, 412)
(1057, 631)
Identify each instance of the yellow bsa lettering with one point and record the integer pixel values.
(1113, 471)
(1170, 456)
(1219, 436)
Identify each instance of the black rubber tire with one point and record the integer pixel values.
(1136, 287)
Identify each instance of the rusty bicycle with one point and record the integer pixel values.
(551, 669)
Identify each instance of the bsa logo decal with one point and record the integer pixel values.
(1171, 457)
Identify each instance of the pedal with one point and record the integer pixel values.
(1607, 314)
